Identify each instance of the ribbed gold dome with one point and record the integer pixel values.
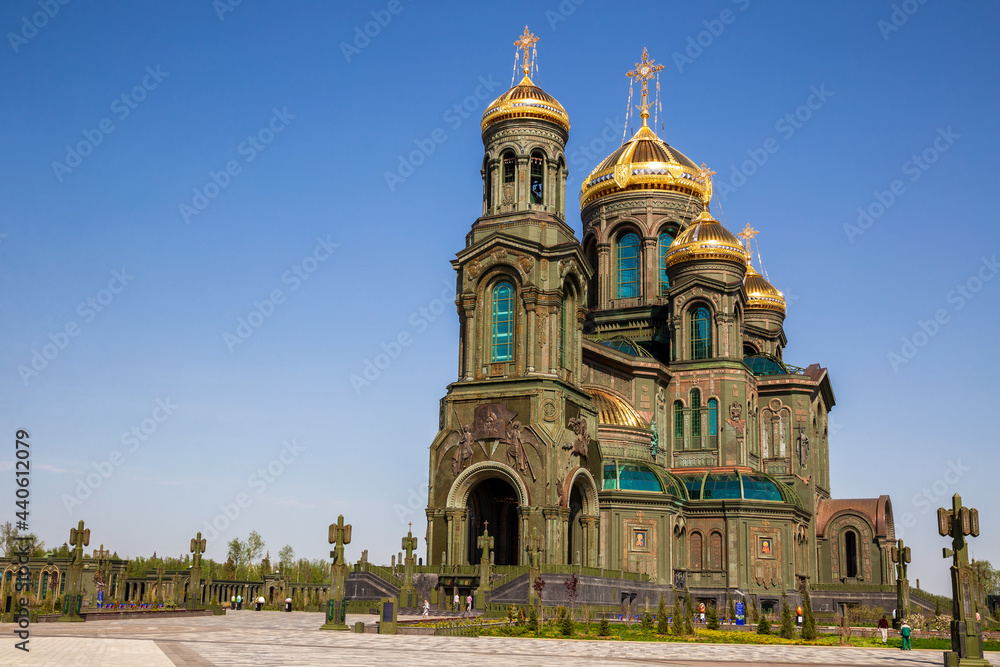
(762, 294)
(705, 238)
(644, 162)
(615, 411)
(525, 100)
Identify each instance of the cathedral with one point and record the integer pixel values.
(624, 399)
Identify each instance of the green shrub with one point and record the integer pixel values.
(764, 627)
(678, 622)
(604, 627)
(532, 619)
(662, 624)
(787, 621)
(688, 613)
(808, 620)
(566, 625)
(713, 619)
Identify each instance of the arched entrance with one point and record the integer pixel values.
(493, 503)
(575, 531)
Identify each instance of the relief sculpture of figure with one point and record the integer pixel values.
(581, 445)
(462, 444)
(517, 457)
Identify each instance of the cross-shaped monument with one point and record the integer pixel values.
(198, 545)
(407, 593)
(901, 557)
(340, 534)
(966, 630)
(79, 538)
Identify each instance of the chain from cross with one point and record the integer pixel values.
(79, 538)
(409, 543)
(644, 70)
(485, 541)
(340, 534)
(524, 43)
(198, 545)
(901, 557)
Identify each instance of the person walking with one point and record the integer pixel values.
(904, 632)
(239, 602)
(468, 602)
(883, 628)
(457, 603)
(232, 602)
(427, 607)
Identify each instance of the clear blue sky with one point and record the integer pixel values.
(308, 129)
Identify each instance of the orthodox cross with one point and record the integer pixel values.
(340, 535)
(80, 538)
(525, 43)
(197, 548)
(644, 70)
(900, 556)
(957, 523)
(748, 234)
(705, 177)
(409, 543)
(485, 541)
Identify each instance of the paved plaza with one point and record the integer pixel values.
(275, 638)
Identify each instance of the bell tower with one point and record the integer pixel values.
(515, 425)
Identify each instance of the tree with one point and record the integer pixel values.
(229, 568)
(572, 585)
(532, 620)
(662, 624)
(254, 547)
(678, 621)
(730, 608)
(604, 627)
(237, 554)
(539, 586)
(787, 621)
(265, 565)
(13, 541)
(764, 627)
(713, 619)
(808, 620)
(689, 612)
(286, 558)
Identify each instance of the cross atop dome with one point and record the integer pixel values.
(748, 234)
(705, 178)
(644, 70)
(526, 43)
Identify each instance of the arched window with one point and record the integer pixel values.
(713, 423)
(628, 266)
(850, 553)
(715, 551)
(537, 172)
(696, 418)
(665, 241)
(678, 425)
(509, 166)
(701, 336)
(502, 339)
(696, 551)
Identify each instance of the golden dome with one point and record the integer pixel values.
(525, 100)
(644, 162)
(705, 238)
(761, 294)
(613, 410)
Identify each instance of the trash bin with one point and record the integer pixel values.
(258, 605)
(288, 604)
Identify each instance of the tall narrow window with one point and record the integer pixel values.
(490, 172)
(696, 551)
(713, 423)
(701, 337)
(562, 334)
(509, 165)
(628, 266)
(678, 425)
(850, 553)
(715, 551)
(537, 170)
(503, 323)
(665, 241)
(696, 418)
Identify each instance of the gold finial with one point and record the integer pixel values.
(526, 42)
(705, 177)
(747, 235)
(644, 71)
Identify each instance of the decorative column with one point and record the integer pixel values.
(603, 269)
(340, 535)
(966, 629)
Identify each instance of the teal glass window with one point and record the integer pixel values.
(610, 476)
(665, 241)
(760, 488)
(503, 323)
(634, 477)
(722, 487)
(696, 418)
(678, 425)
(628, 266)
(701, 337)
(713, 423)
(693, 486)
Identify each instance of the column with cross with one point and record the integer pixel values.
(486, 543)
(407, 593)
(966, 629)
(340, 535)
(198, 545)
(79, 537)
(533, 545)
(900, 555)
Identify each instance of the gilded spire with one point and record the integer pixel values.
(644, 70)
(526, 43)
(705, 178)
